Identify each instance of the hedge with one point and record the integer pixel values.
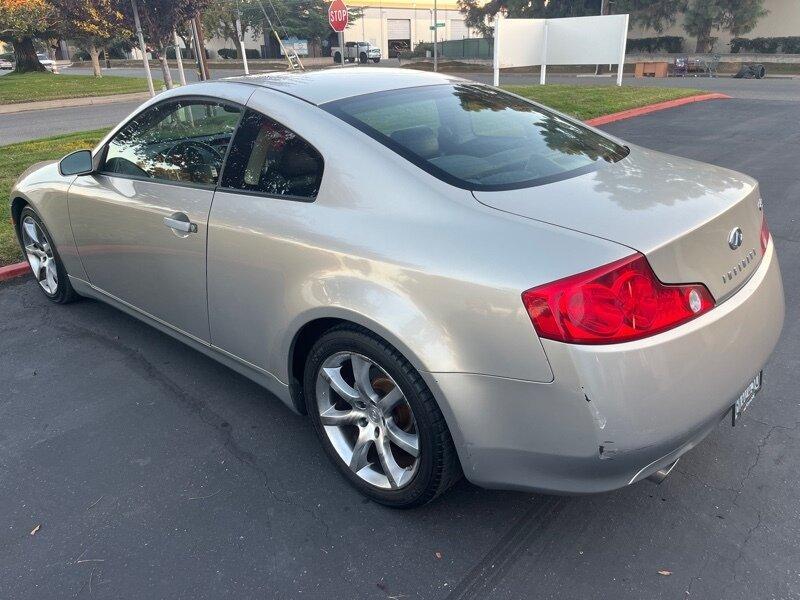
(665, 43)
(766, 45)
(230, 53)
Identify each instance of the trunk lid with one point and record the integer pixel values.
(678, 212)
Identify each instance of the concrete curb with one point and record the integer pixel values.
(15, 270)
(18, 269)
(70, 102)
(644, 110)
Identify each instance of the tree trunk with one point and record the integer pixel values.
(162, 58)
(94, 52)
(25, 56)
(704, 39)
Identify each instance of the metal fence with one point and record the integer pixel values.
(466, 48)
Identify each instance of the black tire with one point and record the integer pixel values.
(363, 57)
(64, 293)
(337, 58)
(439, 467)
(376, 60)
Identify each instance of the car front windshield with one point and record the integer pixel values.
(477, 137)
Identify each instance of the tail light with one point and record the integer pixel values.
(617, 302)
(764, 235)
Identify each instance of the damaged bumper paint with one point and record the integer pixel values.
(614, 414)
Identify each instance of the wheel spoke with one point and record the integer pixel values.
(360, 450)
(402, 439)
(338, 418)
(361, 367)
(333, 375)
(36, 263)
(32, 231)
(50, 277)
(390, 400)
(394, 472)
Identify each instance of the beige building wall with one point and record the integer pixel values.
(373, 26)
(783, 20)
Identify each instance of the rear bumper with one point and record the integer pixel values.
(614, 414)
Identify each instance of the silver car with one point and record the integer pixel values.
(447, 278)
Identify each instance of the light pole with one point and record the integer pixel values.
(435, 36)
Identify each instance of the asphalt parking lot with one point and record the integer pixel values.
(152, 472)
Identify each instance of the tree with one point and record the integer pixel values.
(92, 24)
(159, 18)
(477, 13)
(651, 14)
(734, 16)
(219, 19)
(20, 22)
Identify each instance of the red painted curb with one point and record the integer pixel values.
(15, 270)
(643, 110)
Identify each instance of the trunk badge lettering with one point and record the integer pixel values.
(740, 266)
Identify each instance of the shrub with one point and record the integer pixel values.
(81, 55)
(227, 53)
(766, 45)
(252, 53)
(185, 52)
(664, 43)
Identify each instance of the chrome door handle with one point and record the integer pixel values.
(184, 226)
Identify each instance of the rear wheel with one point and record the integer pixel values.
(43, 258)
(377, 420)
(362, 57)
(337, 58)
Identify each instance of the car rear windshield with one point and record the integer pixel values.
(476, 137)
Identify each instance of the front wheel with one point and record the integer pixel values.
(43, 258)
(362, 58)
(376, 60)
(377, 420)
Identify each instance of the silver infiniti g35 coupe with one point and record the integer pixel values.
(445, 277)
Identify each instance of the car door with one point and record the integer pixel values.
(271, 179)
(140, 222)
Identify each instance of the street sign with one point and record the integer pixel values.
(337, 15)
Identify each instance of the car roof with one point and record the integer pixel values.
(319, 87)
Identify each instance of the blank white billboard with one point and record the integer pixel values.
(567, 41)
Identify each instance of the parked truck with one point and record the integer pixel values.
(361, 51)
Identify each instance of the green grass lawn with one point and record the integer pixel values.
(14, 159)
(589, 101)
(34, 87)
(582, 101)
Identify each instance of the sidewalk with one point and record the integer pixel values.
(67, 102)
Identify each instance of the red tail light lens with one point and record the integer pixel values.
(764, 235)
(618, 302)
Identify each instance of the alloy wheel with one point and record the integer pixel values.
(40, 255)
(368, 420)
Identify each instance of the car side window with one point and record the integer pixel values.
(182, 141)
(268, 158)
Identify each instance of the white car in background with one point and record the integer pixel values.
(46, 61)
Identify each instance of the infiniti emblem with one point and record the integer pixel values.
(735, 238)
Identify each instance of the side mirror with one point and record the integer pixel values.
(77, 163)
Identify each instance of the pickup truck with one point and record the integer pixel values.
(361, 51)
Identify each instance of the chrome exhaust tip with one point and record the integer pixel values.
(660, 475)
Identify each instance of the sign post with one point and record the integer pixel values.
(338, 17)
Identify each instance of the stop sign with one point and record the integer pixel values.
(337, 15)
